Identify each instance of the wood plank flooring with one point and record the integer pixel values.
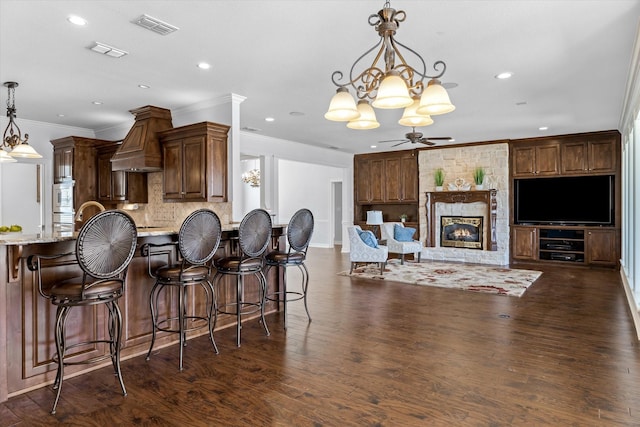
(379, 353)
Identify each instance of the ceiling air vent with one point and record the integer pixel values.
(155, 25)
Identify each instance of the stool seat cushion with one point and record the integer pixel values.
(238, 264)
(71, 289)
(172, 272)
(279, 257)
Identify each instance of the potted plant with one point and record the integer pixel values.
(438, 177)
(403, 218)
(478, 177)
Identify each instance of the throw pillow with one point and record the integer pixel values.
(403, 234)
(368, 238)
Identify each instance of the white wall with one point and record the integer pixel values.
(306, 185)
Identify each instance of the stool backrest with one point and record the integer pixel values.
(255, 232)
(299, 230)
(199, 236)
(106, 244)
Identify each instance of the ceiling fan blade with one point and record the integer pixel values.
(400, 143)
(425, 141)
(440, 138)
(393, 140)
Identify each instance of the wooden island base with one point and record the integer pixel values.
(27, 319)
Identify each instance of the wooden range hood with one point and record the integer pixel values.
(140, 150)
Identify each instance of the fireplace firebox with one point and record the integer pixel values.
(461, 232)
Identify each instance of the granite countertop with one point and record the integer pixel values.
(52, 236)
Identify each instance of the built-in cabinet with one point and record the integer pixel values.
(586, 154)
(118, 186)
(195, 163)
(387, 182)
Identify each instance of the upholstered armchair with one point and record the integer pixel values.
(395, 246)
(360, 252)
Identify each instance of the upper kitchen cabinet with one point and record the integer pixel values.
(195, 163)
(74, 158)
(592, 154)
(386, 177)
(118, 186)
(536, 159)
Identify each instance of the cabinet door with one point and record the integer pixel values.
(104, 177)
(362, 177)
(409, 173)
(392, 181)
(601, 247)
(172, 174)
(376, 180)
(602, 156)
(523, 243)
(574, 157)
(194, 168)
(63, 164)
(119, 185)
(548, 160)
(523, 161)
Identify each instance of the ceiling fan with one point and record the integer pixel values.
(414, 137)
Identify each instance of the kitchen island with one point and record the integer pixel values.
(27, 319)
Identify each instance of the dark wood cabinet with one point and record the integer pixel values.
(523, 243)
(594, 153)
(593, 156)
(63, 163)
(118, 186)
(388, 182)
(601, 247)
(536, 160)
(195, 163)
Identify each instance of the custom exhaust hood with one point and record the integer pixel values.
(140, 150)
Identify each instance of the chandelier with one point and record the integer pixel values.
(12, 137)
(389, 82)
(252, 177)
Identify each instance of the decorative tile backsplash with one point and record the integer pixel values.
(158, 213)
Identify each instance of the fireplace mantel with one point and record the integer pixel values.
(486, 196)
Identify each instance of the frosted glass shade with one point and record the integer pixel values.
(374, 218)
(367, 119)
(25, 151)
(342, 107)
(410, 117)
(392, 93)
(435, 100)
(5, 158)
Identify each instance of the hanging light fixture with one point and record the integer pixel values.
(389, 84)
(12, 137)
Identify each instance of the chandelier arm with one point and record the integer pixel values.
(424, 74)
(336, 76)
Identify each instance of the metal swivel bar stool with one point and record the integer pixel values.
(254, 235)
(104, 248)
(198, 240)
(299, 231)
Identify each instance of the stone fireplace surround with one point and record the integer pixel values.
(459, 162)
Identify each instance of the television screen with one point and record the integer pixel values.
(583, 200)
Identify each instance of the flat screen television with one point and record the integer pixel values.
(583, 200)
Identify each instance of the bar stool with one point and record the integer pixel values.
(299, 231)
(198, 241)
(254, 235)
(104, 248)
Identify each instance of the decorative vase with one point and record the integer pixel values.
(479, 186)
(402, 220)
(438, 187)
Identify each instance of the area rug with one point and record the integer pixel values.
(477, 278)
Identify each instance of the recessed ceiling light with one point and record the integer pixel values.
(374, 146)
(144, 86)
(204, 66)
(77, 20)
(97, 103)
(60, 115)
(269, 119)
(543, 128)
(504, 75)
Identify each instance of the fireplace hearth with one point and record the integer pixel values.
(461, 232)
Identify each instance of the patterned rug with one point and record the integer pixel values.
(479, 278)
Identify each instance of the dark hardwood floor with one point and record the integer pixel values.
(379, 353)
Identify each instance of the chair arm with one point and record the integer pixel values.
(147, 250)
(34, 263)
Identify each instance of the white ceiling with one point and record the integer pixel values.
(570, 61)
